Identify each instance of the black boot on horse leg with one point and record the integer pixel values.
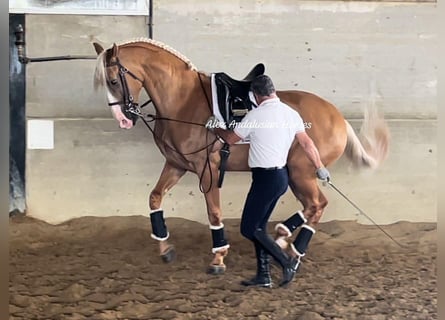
(170, 175)
(285, 229)
(220, 249)
(288, 263)
(262, 277)
(160, 233)
(301, 242)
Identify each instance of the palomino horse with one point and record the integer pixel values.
(181, 93)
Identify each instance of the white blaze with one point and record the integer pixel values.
(124, 122)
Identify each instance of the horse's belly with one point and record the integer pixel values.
(237, 161)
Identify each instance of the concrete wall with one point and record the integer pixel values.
(351, 53)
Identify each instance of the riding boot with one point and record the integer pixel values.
(289, 264)
(262, 278)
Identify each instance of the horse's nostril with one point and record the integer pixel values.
(114, 82)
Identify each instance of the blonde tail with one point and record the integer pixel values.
(372, 148)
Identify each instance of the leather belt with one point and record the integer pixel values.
(267, 169)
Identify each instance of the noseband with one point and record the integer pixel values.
(128, 104)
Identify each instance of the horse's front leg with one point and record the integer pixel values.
(169, 177)
(220, 247)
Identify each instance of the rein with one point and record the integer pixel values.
(129, 106)
(206, 147)
(153, 118)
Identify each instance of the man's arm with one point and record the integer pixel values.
(228, 136)
(312, 152)
(309, 148)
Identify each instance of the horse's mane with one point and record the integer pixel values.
(163, 46)
(99, 74)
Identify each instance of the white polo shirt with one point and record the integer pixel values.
(271, 129)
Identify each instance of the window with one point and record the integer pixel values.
(100, 7)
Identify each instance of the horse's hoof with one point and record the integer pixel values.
(169, 255)
(216, 269)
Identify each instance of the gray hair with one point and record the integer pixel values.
(262, 86)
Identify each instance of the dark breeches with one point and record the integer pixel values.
(267, 187)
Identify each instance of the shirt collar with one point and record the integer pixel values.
(271, 100)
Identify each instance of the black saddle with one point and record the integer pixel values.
(255, 72)
(233, 95)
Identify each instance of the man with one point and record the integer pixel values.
(271, 129)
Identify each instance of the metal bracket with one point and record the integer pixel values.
(21, 50)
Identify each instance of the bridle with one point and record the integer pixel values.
(130, 107)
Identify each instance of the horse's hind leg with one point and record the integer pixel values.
(169, 177)
(306, 189)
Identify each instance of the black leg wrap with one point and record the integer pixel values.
(289, 264)
(295, 221)
(219, 242)
(158, 227)
(301, 242)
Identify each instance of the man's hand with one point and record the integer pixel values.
(211, 123)
(323, 174)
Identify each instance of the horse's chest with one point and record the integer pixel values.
(175, 158)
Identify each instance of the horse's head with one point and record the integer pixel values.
(121, 84)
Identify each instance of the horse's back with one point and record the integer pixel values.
(323, 121)
(308, 104)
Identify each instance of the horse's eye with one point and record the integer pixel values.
(113, 82)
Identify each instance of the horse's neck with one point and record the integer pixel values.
(187, 105)
(179, 93)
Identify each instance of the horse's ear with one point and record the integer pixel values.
(99, 49)
(114, 51)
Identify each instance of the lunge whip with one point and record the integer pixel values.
(363, 213)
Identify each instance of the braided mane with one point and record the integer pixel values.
(163, 46)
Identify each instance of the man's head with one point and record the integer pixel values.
(262, 86)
